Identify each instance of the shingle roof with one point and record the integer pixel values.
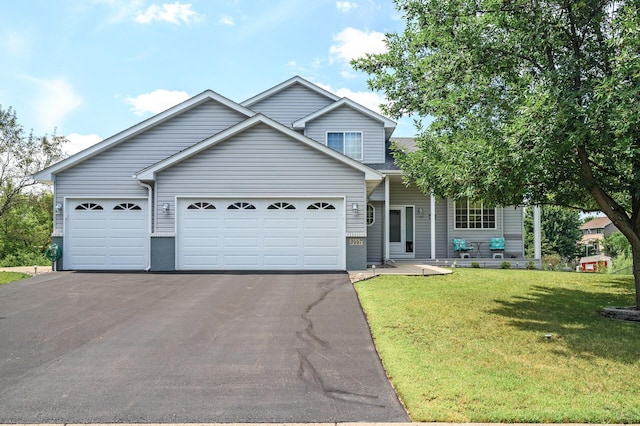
(596, 223)
(409, 144)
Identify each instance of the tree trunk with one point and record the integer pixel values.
(635, 250)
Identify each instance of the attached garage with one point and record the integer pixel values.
(106, 234)
(260, 234)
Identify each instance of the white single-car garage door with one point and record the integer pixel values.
(106, 234)
(266, 234)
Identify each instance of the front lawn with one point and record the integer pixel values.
(8, 277)
(486, 345)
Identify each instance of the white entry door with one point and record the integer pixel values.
(401, 232)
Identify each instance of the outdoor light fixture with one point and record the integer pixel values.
(420, 212)
(58, 208)
(165, 208)
(354, 208)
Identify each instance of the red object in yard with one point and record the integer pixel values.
(595, 263)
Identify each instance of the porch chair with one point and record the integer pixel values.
(460, 246)
(497, 247)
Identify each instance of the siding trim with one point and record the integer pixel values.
(301, 124)
(282, 86)
(48, 174)
(149, 174)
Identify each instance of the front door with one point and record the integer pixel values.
(401, 235)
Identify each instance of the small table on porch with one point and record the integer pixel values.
(477, 245)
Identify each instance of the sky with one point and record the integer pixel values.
(88, 69)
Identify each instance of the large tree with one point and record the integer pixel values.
(21, 155)
(532, 101)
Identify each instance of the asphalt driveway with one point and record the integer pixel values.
(153, 348)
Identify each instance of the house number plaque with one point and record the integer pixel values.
(356, 242)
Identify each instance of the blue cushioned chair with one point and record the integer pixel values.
(460, 246)
(497, 247)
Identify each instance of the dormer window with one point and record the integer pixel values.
(348, 143)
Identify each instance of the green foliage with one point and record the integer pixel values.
(532, 102)
(616, 245)
(551, 262)
(25, 230)
(505, 265)
(530, 265)
(471, 346)
(560, 231)
(25, 210)
(475, 264)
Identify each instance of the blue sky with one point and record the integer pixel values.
(91, 68)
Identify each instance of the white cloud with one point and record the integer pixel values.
(53, 100)
(346, 6)
(121, 10)
(14, 43)
(78, 142)
(226, 20)
(352, 43)
(370, 100)
(174, 13)
(156, 101)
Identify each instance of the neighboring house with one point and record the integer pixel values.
(593, 233)
(295, 178)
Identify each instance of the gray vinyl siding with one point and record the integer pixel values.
(291, 104)
(262, 162)
(110, 173)
(375, 234)
(509, 224)
(346, 119)
(402, 195)
(513, 231)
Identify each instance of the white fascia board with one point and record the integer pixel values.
(48, 174)
(388, 123)
(150, 172)
(275, 89)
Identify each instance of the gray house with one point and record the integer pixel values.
(294, 178)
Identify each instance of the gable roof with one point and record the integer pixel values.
(284, 85)
(149, 173)
(596, 223)
(47, 174)
(388, 123)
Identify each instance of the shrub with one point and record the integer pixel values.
(530, 265)
(475, 264)
(551, 262)
(24, 258)
(505, 265)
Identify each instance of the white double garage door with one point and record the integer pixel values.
(211, 234)
(269, 234)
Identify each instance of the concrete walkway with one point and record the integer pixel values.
(398, 269)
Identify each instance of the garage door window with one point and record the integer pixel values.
(281, 206)
(241, 206)
(89, 206)
(321, 206)
(127, 206)
(201, 206)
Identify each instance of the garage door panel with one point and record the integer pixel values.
(110, 237)
(271, 235)
(281, 242)
(291, 261)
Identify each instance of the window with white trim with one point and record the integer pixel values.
(348, 143)
(371, 215)
(474, 215)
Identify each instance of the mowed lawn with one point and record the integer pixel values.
(473, 347)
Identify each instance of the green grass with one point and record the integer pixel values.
(8, 277)
(471, 346)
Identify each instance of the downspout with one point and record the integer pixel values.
(150, 227)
